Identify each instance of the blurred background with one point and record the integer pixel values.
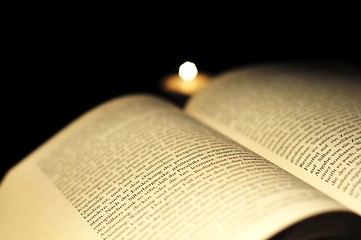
(55, 69)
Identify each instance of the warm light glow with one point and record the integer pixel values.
(188, 71)
(187, 82)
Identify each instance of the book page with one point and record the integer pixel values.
(32, 208)
(304, 118)
(139, 168)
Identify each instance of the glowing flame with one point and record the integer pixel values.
(188, 71)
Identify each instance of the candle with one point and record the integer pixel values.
(187, 82)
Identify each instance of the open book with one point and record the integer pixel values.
(270, 151)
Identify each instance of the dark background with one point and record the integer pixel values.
(54, 71)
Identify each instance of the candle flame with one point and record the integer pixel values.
(188, 71)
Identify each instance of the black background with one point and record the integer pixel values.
(55, 69)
